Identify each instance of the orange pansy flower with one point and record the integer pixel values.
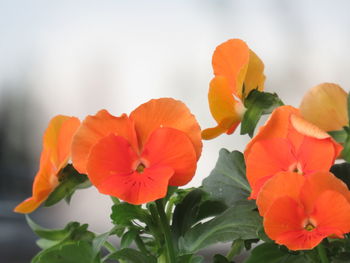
(303, 213)
(237, 70)
(288, 143)
(326, 106)
(135, 158)
(54, 157)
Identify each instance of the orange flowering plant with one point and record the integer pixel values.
(286, 198)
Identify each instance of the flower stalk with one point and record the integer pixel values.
(170, 251)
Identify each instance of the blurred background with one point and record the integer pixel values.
(76, 57)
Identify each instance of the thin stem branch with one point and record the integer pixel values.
(109, 247)
(141, 245)
(322, 253)
(236, 248)
(166, 230)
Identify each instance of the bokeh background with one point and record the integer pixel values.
(76, 57)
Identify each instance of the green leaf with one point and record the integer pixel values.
(118, 230)
(339, 136)
(210, 208)
(132, 256)
(186, 212)
(124, 213)
(348, 102)
(270, 252)
(342, 171)
(220, 259)
(49, 234)
(70, 180)
(346, 150)
(72, 252)
(128, 237)
(236, 248)
(99, 241)
(72, 231)
(342, 258)
(241, 221)
(190, 258)
(257, 104)
(227, 182)
(46, 243)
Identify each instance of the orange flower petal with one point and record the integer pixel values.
(255, 77)
(285, 215)
(56, 152)
(325, 106)
(44, 182)
(171, 148)
(307, 128)
(282, 184)
(267, 158)
(332, 213)
(95, 128)
(230, 60)
(284, 223)
(166, 112)
(136, 188)
(319, 182)
(225, 109)
(58, 138)
(111, 156)
(277, 126)
(317, 155)
(112, 169)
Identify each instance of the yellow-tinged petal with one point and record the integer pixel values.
(225, 109)
(254, 78)
(58, 138)
(56, 152)
(325, 106)
(230, 60)
(307, 128)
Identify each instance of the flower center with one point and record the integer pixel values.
(140, 168)
(309, 225)
(296, 168)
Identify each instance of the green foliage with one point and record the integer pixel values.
(227, 182)
(74, 243)
(342, 171)
(123, 214)
(72, 231)
(194, 207)
(70, 181)
(272, 253)
(241, 221)
(210, 208)
(257, 104)
(220, 259)
(186, 212)
(339, 136)
(132, 256)
(343, 136)
(346, 150)
(190, 258)
(128, 238)
(69, 252)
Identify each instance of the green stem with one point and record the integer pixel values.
(141, 245)
(109, 247)
(322, 253)
(166, 230)
(169, 208)
(236, 248)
